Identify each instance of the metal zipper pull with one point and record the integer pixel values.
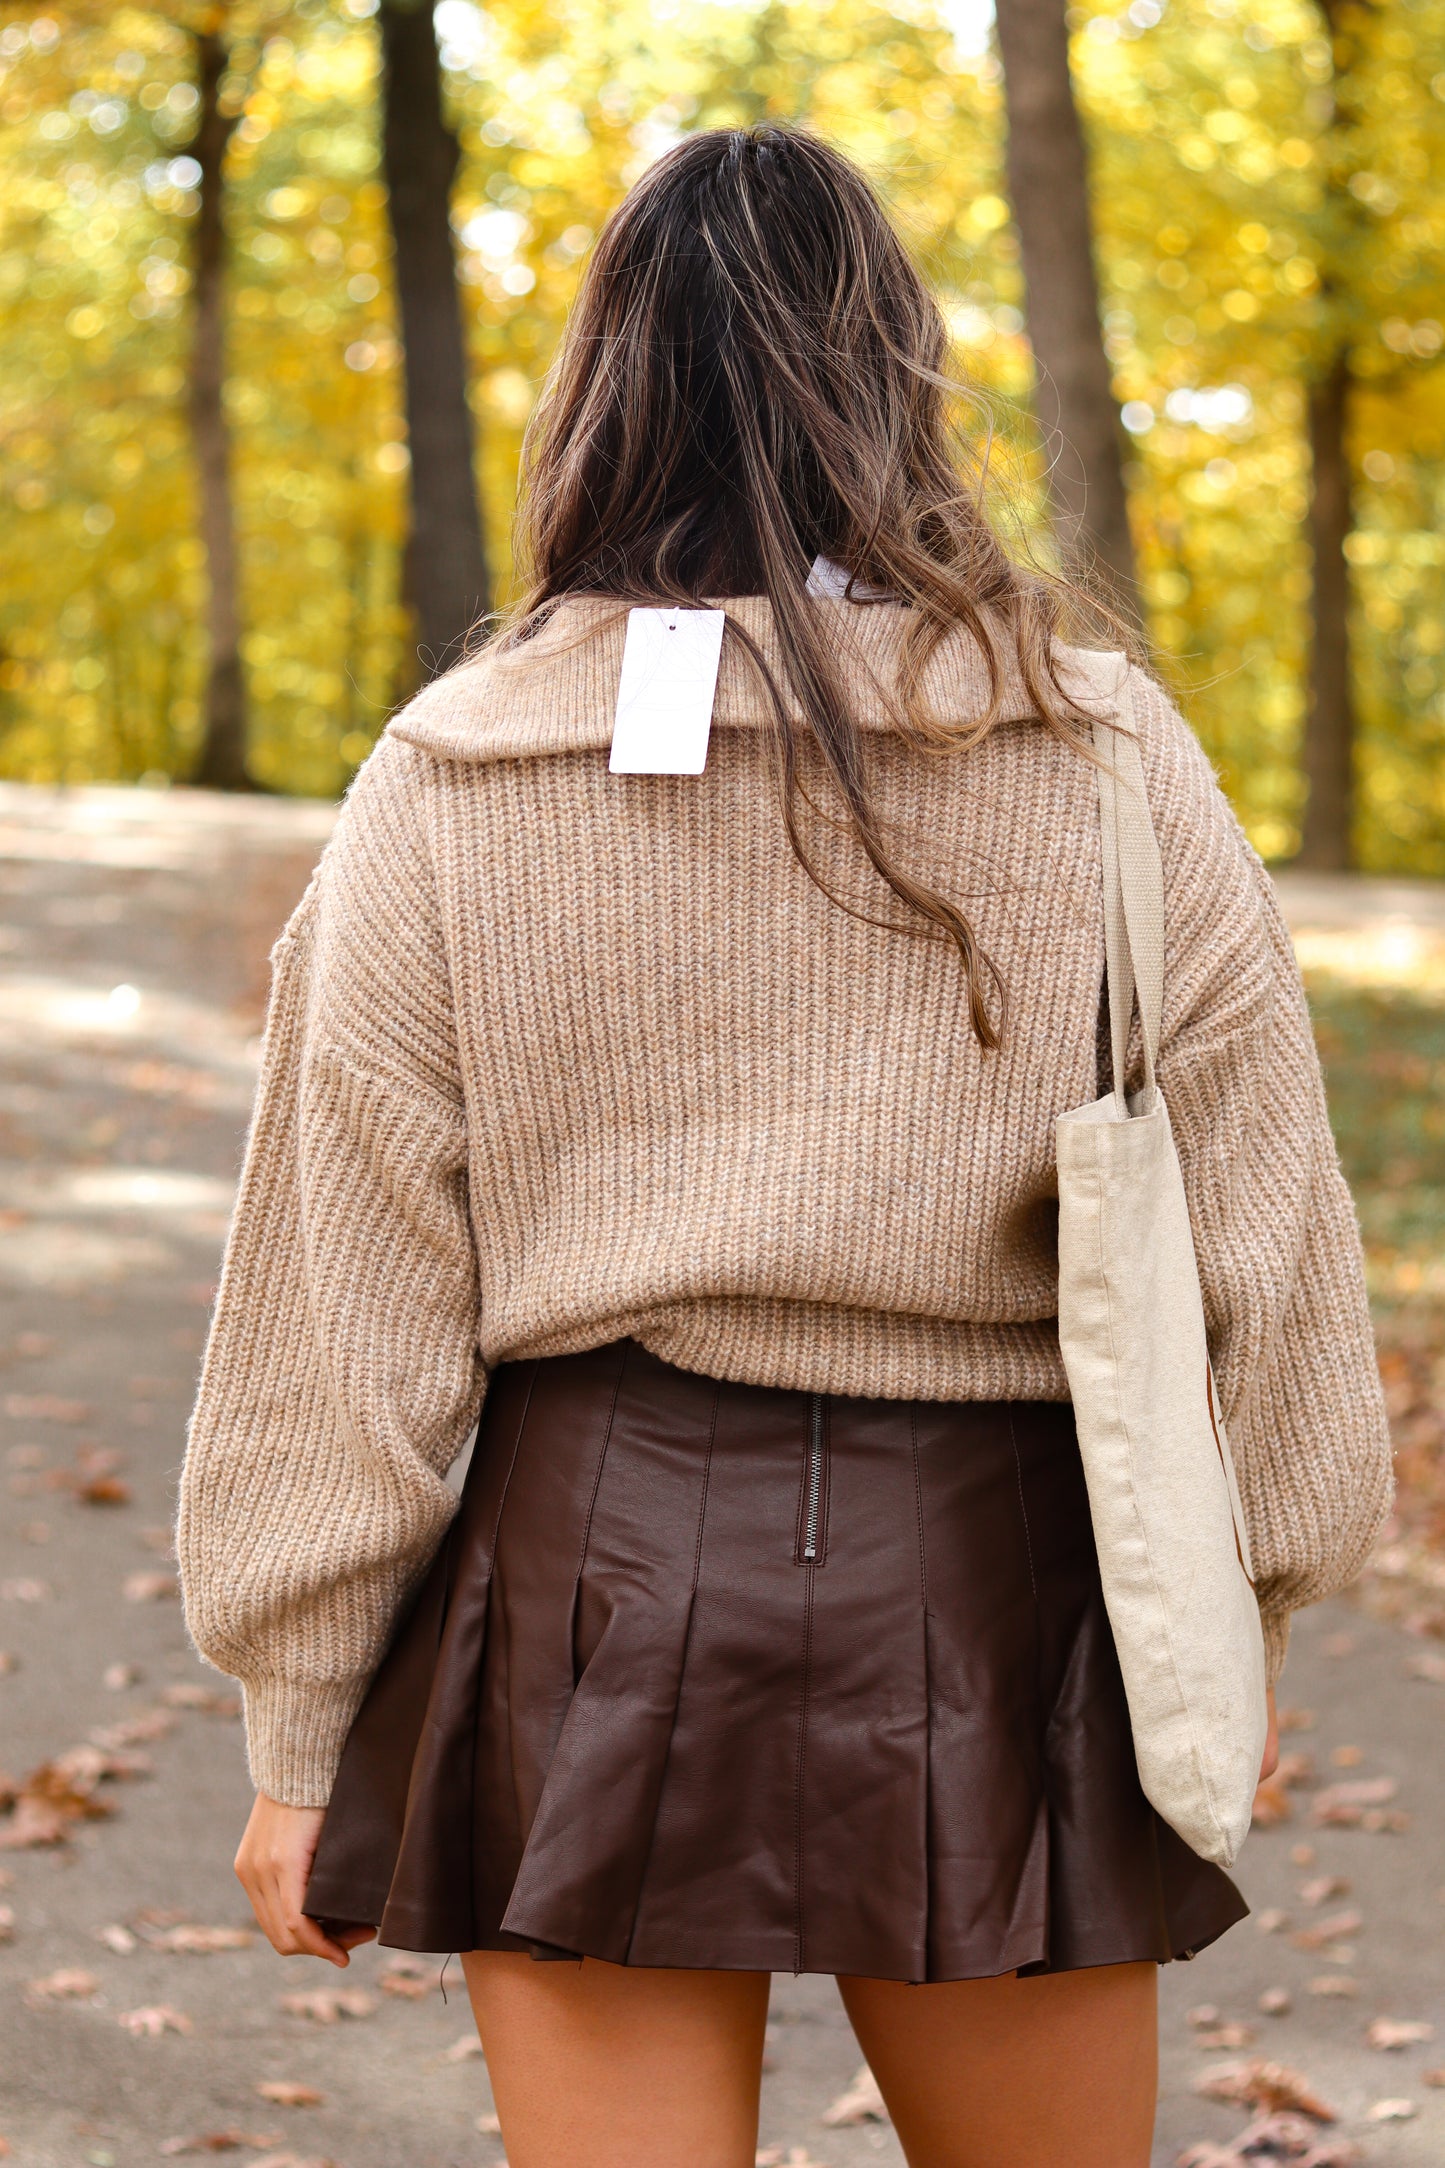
(813, 1490)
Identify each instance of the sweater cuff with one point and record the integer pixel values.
(294, 1736)
(1276, 1644)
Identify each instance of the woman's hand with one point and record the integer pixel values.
(273, 1865)
(1270, 1763)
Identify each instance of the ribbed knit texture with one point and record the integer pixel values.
(556, 1056)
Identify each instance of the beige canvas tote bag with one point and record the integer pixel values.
(1173, 1550)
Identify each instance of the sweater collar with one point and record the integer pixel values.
(557, 692)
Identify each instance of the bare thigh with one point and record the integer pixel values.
(1010, 2073)
(610, 2066)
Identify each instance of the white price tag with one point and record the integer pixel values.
(665, 695)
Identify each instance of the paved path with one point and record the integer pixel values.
(133, 932)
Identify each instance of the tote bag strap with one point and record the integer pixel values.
(1133, 873)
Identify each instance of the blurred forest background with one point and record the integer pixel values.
(199, 253)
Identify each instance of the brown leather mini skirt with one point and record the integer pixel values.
(716, 1675)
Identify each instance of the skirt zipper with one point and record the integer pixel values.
(813, 1502)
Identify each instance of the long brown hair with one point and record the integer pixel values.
(754, 374)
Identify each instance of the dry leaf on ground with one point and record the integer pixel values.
(862, 2103)
(1323, 1888)
(489, 2124)
(1233, 2035)
(153, 2019)
(1274, 2139)
(1345, 1806)
(1271, 1921)
(462, 2051)
(1276, 2002)
(324, 2005)
(219, 2141)
(792, 2156)
(1337, 1928)
(408, 1979)
(1266, 2086)
(1333, 1983)
(291, 2160)
(1428, 1666)
(289, 2093)
(188, 1941)
(188, 1694)
(117, 1938)
(149, 1587)
(70, 1984)
(117, 1677)
(1392, 2111)
(1397, 2032)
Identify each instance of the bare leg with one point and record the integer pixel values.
(1009, 2073)
(606, 2066)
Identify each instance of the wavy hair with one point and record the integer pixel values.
(755, 374)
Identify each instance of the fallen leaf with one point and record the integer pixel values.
(1333, 1983)
(1392, 2111)
(138, 1730)
(186, 1694)
(462, 2051)
(324, 2005)
(1336, 1928)
(1338, 1645)
(290, 2093)
(1274, 2138)
(291, 2160)
(490, 2125)
(1226, 2036)
(795, 2156)
(1347, 1757)
(117, 1938)
(70, 1984)
(1264, 2085)
(1203, 2013)
(406, 1978)
(1323, 1888)
(9, 1663)
(1343, 1806)
(149, 1587)
(154, 2019)
(1296, 1719)
(1272, 1921)
(104, 1490)
(1276, 2002)
(1428, 1666)
(45, 1408)
(25, 1590)
(1302, 1855)
(191, 1941)
(1397, 2032)
(7, 1923)
(117, 1677)
(219, 2141)
(861, 2103)
(1272, 1803)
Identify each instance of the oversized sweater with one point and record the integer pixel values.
(556, 1056)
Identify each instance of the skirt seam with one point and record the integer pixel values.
(799, 1937)
(601, 1464)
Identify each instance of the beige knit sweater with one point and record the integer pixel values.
(555, 1056)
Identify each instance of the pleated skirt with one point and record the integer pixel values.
(717, 1675)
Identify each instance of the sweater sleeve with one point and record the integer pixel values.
(342, 1374)
(1280, 1259)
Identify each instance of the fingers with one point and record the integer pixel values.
(273, 1866)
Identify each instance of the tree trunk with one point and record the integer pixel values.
(222, 762)
(1077, 412)
(1327, 841)
(446, 570)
